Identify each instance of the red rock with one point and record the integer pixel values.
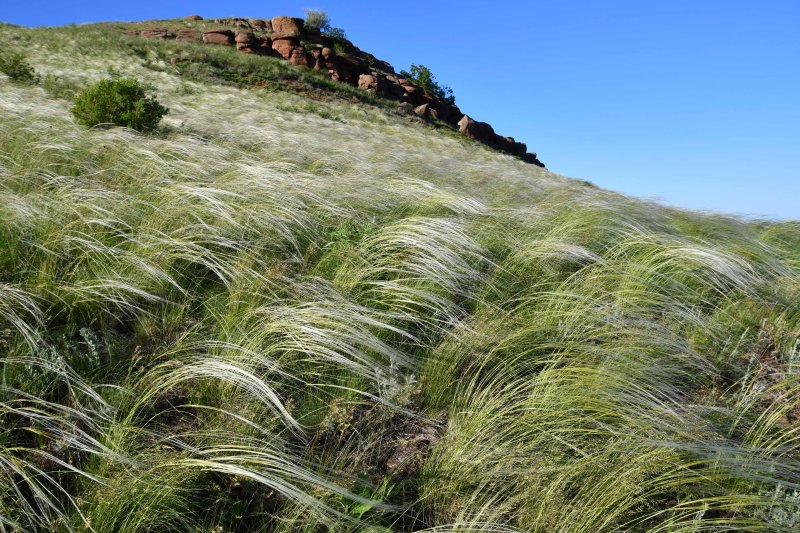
(187, 35)
(224, 37)
(533, 160)
(194, 17)
(298, 57)
(504, 144)
(450, 113)
(313, 36)
(480, 131)
(392, 88)
(317, 61)
(131, 33)
(157, 33)
(287, 28)
(283, 47)
(244, 37)
(368, 82)
(328, 52)
(258, 24)
(426, 111)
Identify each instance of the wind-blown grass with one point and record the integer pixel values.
(287, 314)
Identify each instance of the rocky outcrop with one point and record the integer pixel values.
(290, 39)
(157, 33)
(223, 37)
(287, 33)
(287, 28)
(188, 35)
(260, 24)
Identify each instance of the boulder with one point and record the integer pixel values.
(313, 35)
(317, 61)
(283, 47)
(450, 113)
(504, 144)
(264, 45)
(411, 91)
(246, 42)
(368, 82)
(194, 17)
(350, 68)
(223, 37)
(533, 160)
(157, 33)
(244, 37)
(405, 107)
(518, 148)
(298, 57)
(287, 28)
(426, 111)
(392, 87)
(131, 33)
(186, 35)
(258, 24)
(480, 131)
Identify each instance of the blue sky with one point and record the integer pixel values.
(696, 103)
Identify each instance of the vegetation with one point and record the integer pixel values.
(422, 76)
(268, 319)
(321, 21)
(121, 102)
(15, 66)
(317, 19)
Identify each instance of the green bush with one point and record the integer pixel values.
(15, 66)
(422, 76)
(317, 19)
(336, 33)
(320, 20)
(121, 102)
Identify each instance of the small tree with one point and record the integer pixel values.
(121, 102)
(422, 76)
(15, 66)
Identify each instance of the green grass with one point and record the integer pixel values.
(283, 313)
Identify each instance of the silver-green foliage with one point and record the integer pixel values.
(246, 322)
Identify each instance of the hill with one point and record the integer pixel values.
(296, 307)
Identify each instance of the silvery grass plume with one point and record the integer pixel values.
(283, 313)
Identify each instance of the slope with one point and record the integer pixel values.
(293, 308)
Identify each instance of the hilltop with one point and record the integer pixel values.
(297, 306)
(306, 46)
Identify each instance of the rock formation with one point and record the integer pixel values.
(290, 39)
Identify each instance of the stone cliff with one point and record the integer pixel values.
(291, 39)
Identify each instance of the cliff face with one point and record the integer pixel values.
(290, 39)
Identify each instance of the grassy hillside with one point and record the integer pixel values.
(293, 309)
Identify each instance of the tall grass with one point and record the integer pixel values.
(268, 317)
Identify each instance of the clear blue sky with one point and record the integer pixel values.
(696, 103)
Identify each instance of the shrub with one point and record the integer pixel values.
(318, 19)
(336, 33)
(422, 76)
(15, 66)
(121, 102)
